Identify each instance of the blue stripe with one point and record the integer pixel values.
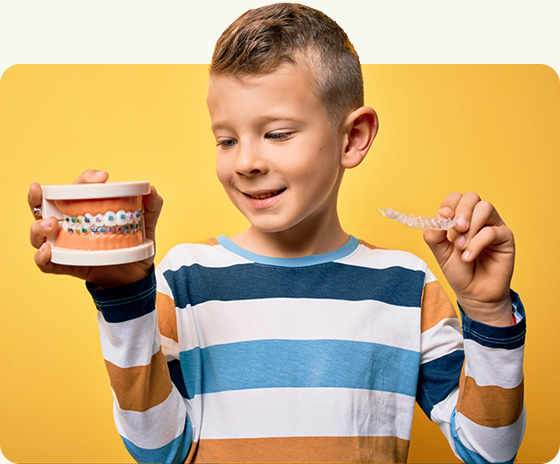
(176, 375)
(311, 260)
(508, 338)
(303, 364)
(467, 455)
(438, 378)
(176, 451)
(196, 284)
(127, 302)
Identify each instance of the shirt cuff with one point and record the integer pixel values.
(119, 304)
(509, 337)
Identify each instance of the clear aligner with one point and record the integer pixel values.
(121, 222)
(418, 222)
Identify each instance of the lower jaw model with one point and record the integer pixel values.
(100, 224)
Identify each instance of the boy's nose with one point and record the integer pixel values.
(249, 162)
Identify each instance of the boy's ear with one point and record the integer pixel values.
(360, 128)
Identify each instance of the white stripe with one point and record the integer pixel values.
(494, 366)
(441, 415)
(441, 339)
(162, 285)
(188, 329)
(383, 259)
(217, 256)
(170, 348)
(441, 412)
(495, 444)
(430, 277)
(155, 427)
(302, 412)
(117, 338)
(220, 322)
(187, 254)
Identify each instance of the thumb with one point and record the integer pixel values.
(439, 244)
(153, 204)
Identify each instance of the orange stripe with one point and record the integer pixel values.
(368, 245)
(167, 318)
(490, 406)
(140, 388)
(209, 242)
(303, 449)
(435, 305)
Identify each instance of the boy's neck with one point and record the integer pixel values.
(292, 243)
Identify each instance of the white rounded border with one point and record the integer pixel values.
(103, 257)
(92, 191)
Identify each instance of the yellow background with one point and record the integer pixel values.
(489, 128)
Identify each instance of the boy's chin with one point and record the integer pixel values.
(267, 225)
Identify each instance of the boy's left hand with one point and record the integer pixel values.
(476, 256)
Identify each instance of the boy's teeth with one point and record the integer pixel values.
(262, 196)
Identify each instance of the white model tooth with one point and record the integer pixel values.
(129, 217)
(81, 224)
(121, 217)
(98, 220)
(137, 217)
(89, 219)
(109, 219)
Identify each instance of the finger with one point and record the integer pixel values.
(447, 210)
(153, 203)
(41, 229)
(488, 237)
(448, 205)
(439, 244)
(35, 198)
(483, 215)
(439, 240)
(43, 257)
(464, 211)
(43, 261)
(435, 237)
(92, 176)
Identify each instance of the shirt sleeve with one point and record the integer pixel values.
(471, 380)
(149, 410)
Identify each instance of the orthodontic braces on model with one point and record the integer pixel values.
(120, 222)
(418, 222)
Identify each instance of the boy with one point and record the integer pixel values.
(294, 341)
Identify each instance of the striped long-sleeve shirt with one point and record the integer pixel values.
(223, 355)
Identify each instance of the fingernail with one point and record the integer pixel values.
(461, 241)
(43, 247)
(466, 255)
(461, 221)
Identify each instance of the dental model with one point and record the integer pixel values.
(100, 224)
(418, 222)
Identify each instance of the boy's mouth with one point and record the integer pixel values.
(263, 195)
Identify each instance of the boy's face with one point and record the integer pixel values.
(278, 155)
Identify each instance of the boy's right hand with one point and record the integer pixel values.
(101, 276)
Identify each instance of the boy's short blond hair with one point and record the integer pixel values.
(261, 40)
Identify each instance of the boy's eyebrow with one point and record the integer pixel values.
(263, 120)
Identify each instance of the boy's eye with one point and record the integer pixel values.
(278, 136)
(226, 143)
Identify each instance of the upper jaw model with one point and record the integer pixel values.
(100, 224)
